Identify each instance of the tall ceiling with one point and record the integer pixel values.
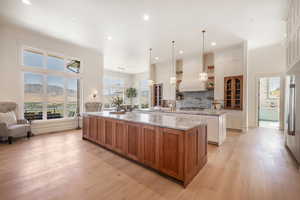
(90, 22)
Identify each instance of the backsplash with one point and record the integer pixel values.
(202, 99)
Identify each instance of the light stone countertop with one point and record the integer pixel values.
(188, 112)
(166, 120)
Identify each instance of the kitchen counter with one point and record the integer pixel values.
(190, 112)
(160, 119)
(216, 121)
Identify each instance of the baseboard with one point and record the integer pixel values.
(50, 126)
(234, 130)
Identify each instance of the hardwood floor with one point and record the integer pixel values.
(248, 166)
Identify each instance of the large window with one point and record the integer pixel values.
(113, 87)
(50, 85)
(33, 96)
(144, 94)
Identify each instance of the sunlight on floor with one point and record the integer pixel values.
(269, 124)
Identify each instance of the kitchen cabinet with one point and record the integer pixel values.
(233, 92)
(177, 153)
(216, 128)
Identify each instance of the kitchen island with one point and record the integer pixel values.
(174, 145)
(216, 121)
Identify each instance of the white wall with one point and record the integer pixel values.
(162, 75)
(127, 78)
(231, 62)
(11, 77)
(265, 61)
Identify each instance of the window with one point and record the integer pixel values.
(71, 97)
(33, 59)
(55, 63)
(144, 94)
(55, 97)
(50, 92)
(113, 87)
(33, 96)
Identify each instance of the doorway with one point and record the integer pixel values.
(269, 102)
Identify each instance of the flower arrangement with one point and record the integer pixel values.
(117, 101)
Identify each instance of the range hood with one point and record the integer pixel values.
(192, 67)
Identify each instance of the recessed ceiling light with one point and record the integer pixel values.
(109, 38)
(27, 2)
(156, 58)
(213, 44)
(146, 17)
(181, 52)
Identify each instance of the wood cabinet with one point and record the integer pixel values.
(233, 92)
(179, 154)
(109, 131)
(93, 133)
(171, 152)
(100, 130)
(133, 140)
(149, 144)
(120, 137)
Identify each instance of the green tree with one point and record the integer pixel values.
(130, 94)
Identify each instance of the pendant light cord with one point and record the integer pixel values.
(203, 49)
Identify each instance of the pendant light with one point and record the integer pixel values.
(203, 75)
(172, 74)
(150, 81)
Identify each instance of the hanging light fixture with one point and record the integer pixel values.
(150, 81)
(203, 75)
(172, 74)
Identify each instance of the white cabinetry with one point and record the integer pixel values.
(216, 128)
(293, 34)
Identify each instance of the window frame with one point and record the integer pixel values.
(45, 72)
(112, 87)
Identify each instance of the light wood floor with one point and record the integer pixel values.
(248, 166)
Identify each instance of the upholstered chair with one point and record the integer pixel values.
(93, 107)
(19, 128)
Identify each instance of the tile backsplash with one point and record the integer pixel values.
(201, 99)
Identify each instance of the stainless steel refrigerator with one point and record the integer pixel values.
(292, 134)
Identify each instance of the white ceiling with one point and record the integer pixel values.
(89, 22)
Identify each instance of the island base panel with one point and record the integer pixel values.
(176, 153)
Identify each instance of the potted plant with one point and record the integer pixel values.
(117, 101)
(130, 94)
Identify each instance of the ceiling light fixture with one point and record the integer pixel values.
(213, 44)
(109, 38)
(173, 68)
(181, 52)
(203, 75)
(146, 17)
(156, 58)
(27, 2)
(150, 81)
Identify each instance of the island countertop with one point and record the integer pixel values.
(188, 112)
(166, 120)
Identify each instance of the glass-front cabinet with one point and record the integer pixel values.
(233, 92)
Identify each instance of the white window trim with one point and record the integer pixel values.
(45, 72)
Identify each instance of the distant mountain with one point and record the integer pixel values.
(54, 90)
